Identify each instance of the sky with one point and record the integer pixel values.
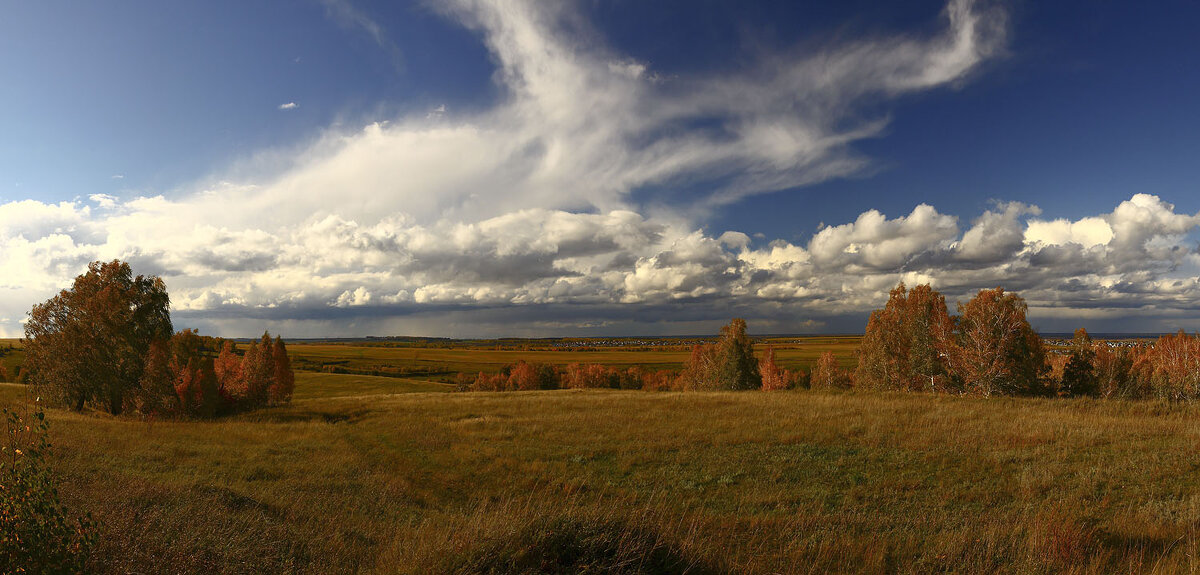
(471, 168)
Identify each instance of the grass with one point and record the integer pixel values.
(443, 363)
(367, 474)
(326, 385)
(11, 355)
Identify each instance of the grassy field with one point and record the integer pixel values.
(11, 355)
(443, 363)
(366, 474)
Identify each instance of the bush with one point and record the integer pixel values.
(37, 534)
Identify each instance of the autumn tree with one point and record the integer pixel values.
(994, 349)
(774, 378)
(257, 370)
(1079, 375)
(283, 380)
(900, 349)
(1175, 367)
(228, 369)
(156, 393)
(88, 344)
(196, 387)
(827, 374)
(699, 371)
(1113, 369)
(727, 364)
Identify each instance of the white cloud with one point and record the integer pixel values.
(618, 265)
(875, 242)
(447, 223)
(289, 106)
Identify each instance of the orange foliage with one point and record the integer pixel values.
(827, 375)
(774, 378)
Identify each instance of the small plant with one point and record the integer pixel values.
(36, 533)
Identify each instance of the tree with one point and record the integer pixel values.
(900, 349)
(727, 364)
(1174, 364)
(525, 376)
(196, 386)
(994, 349)
(1113, 369)
(156, 393)
(283, 379)
(737, 368)
(1079, 375)
(699, 371)
(257, 369)
(87, 345)
(826, 373)
(773, 377)
(228, 369)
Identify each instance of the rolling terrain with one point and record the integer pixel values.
(396, 475)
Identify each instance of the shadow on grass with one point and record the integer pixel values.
(531, 538)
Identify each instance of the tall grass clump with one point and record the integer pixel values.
(522, 535)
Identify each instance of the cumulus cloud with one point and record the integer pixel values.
(289, 106)
(618, 266)
(464, 224)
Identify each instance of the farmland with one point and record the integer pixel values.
(398, 474)
(441, 363)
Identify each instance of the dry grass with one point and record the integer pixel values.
(349, 480)
(790, 353)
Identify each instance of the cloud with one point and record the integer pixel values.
(580, 201)
(581, 127)
(619, 267)
(289, 106)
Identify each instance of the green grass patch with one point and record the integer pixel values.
(326, 385)
(358, 475)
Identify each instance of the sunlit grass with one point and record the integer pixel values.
(791, 353)
(750, 482)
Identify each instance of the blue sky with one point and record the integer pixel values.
(468, 168)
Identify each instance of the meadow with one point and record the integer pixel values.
(443, 362)
(400, 475)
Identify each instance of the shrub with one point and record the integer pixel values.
(37, 534)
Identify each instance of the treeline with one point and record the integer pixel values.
(181, 377)
(989, 348)
(911, 344)
(523, 376)
(107, 343)
(727, 364)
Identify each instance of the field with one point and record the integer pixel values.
(441, 363)
(399, 475)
